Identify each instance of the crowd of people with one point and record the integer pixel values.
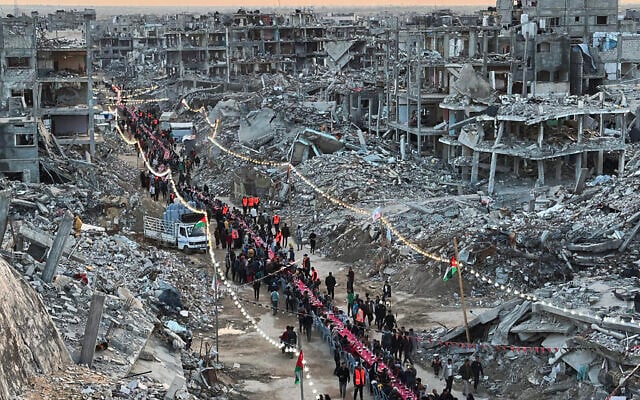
(259, 253)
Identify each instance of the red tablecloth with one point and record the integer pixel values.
(361, 350)
(368, 357)
(313, 300)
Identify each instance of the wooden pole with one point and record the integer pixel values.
(464, 307)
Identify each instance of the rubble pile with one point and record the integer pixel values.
(79, 382)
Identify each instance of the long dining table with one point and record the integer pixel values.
(359, 348)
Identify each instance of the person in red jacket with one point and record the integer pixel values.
(276, 222)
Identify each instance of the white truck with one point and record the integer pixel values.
(180, 233)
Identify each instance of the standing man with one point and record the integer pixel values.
(312, 241)
(286, 233)
(274, 300)
(245, 202)
(256, 289)
(351, 276)
(299, 236)
(350, 300)
(276, 221)
(330, 283)
(466, 372)
(447, 374)
(436, 364)
(386, 290)
(306, 265)
(358, 380)
(254, 215)
(476, 367)
(342, 372)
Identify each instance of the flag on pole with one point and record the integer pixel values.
(299, 368)
(376, 214)
(451, 270)
(201, 223)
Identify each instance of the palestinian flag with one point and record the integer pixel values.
(201, 223)
(299, 368)
(452, 270)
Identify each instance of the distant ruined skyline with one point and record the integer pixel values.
(23, 4)
(107, 8)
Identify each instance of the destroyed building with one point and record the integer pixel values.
(416, 114)
(18, 126)
(527, 138)
(65, 84)
(47, 89)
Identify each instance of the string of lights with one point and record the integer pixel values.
(401, 238)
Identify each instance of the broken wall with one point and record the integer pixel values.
(29, 343)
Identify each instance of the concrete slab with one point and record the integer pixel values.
(164, 367)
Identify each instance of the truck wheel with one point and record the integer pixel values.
(186, 250)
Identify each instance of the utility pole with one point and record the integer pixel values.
(301, 372)
(289, 191)
(464, 307)
(214, 286)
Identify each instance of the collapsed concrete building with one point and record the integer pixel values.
(47, 90)
(18, 126)
(570, 136)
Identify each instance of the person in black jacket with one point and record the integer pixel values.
(342, 372)
(330, 283)
(286, 233)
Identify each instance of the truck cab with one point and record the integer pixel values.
(189, 236)
(180, 232)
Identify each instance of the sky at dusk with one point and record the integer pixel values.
(252, 3)
(218, 4)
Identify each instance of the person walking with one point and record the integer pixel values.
(358, 380)
(274, 300)
(312, 241)
(447, 374)
(299, 236)
(476, 367)
(466, 372)
(386, 290)
(350, 300)
(436, 364)
(256, 289)
(330, 283)
(286, 233)
(351, 277)
(342, 372)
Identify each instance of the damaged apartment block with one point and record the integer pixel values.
(18, 128)
(46, 90)
(528, 138)
(65, 85)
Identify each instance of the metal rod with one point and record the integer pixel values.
(301, 372)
